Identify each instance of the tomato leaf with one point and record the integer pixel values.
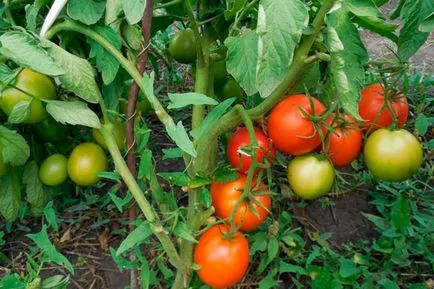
(427, 24)
(237, 5)
(36, 195)
(410, 38)
(51, 217)
(20, 111)
(176, 178)
(173, 153)
(32, 12)
(278, 37)
(140, 234)
(400, 214)
(10, 195)
(15, 149)
(242, 58)
(25, 50)
(289, 268)
(43, 242)
(347, 66)
(106, 63)
(73, 112)
(133, 10)
(178, 134)
(272, 249)
(146, 164)
(183, 231)
(86, 11)
(79, 75)
(179, 100)
(145, 274)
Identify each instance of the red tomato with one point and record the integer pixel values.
(372, 109)
(223, 262)
(242, 160)
(290, 131)
(225, 196)
(345, 143)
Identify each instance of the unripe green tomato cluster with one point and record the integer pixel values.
(29, 86)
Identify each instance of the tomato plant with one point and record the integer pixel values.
(251, 211)
(85, 162)
(53, 170)
(239, 157)
(223, 260)
(290, 130)
(393, 155)
(376, 107)
(310, 177)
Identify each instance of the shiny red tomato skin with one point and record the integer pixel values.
(239, 139)
(223, 262)
(290, 131)
(344, 144)
(372, 110)
(226, 194)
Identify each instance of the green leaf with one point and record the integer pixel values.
(427, 24)
(25, 50)
(430, 144)
(400, 214)
(10, 196)
(174, 153)
(242, 58)
(73, 112)
(180, 137)
(272, 249)
(324, 280)
(20, 111)
(11, 281)
(388, 284)
(348, 269)
(119, 202)
(211, 118)
(133, 35)
(106, 63)
(183, 231)
(237, 5)
(145, 274)
(205, 197)
(410, 38)
(179, 100)
(86, 11)
(371, 18)
(278, 37)
(332, 40)
(50, 253)
(32, 12)
(140, 234)
(50, 215)
(289, 268)
(421, 124)
(6, 74)
(381, 223)
(133, 10)
(347, 66)
(79, 76)
(308, 80)
(35, 192)
(112, 11)
(176, 178)
(15, 149)
(268, 282)
(146, 164)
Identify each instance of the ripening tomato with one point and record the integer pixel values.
(29, 86)
(182, 46)
(345, 143)
(241, 159)
(85, 162)
(291, 131)
(119, 132)
(372, 107)
(393, 155)
(223, 261)
(310, 176)
(226, 194)
(53, 170)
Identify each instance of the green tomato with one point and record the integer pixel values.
(4, 168)
(53, 170)
(85, 162)
(310, 177)
(29, 86)
(142, 106)
(230, 89)
(220, 73)
(182, 46)
(119, 134)
(51, 130)
(393, 155)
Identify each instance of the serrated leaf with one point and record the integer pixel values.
(50, 253)
(180, 137)
(347, 66)
(278, 37)
(183, 231)
(10, 196)
(179, 100)
(20, 111)
(15, 149)
(427, 24)
(133, 10)
(86, 11)
(79, 76)
(242, 58)
(400, 214)
(35, 192)
(73, 112)
(26, 51)
(140, 234)
(410, 38)
(106, 63)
